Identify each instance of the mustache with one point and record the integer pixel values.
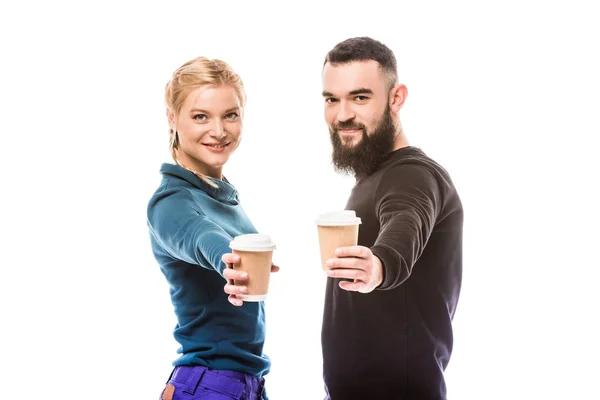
(348, 125)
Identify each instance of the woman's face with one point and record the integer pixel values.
(209, 126)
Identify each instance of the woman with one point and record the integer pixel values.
(193, 216)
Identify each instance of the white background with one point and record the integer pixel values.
(505, 96)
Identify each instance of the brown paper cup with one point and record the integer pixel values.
(258, 266)
(256, 253)
(336, 229)
(332, 237)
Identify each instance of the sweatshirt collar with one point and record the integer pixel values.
(225, 192)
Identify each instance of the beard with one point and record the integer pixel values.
(363, 158)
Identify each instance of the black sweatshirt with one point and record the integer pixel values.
(395, 342)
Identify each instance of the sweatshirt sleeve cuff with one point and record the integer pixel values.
(388, 259)
(218, 264)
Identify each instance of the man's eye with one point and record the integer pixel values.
(330, 100)
(361, 98)
(199, 117)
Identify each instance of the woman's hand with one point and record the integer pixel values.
(232, 275)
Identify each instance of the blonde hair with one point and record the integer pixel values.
(190, 76)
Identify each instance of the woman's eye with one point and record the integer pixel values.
(232, 115)
(200, 117)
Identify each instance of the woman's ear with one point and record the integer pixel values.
(171, 118)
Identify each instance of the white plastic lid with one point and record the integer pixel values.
(252, 242)
(338, 218)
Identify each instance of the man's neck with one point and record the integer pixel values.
(400, 140)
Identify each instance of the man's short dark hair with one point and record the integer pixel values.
(364, 49)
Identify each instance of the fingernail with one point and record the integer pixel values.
(329, 263)
(338, 252)
(244, 275)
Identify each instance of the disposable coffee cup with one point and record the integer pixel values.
(256, 253)
(336, 229)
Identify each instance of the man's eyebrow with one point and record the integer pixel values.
(360, 91)
(351, 93)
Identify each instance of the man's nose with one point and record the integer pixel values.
(345, 113)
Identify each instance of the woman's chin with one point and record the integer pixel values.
(217, 162)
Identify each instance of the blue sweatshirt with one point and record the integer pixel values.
(191, 225)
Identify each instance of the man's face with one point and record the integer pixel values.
(358, 115)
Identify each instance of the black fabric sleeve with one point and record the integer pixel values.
(408, 200)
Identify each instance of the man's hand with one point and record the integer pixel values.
(232, 274)
(359, 264)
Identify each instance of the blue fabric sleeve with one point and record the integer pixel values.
(185, 232)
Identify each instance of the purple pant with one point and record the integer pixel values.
(200, 383)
